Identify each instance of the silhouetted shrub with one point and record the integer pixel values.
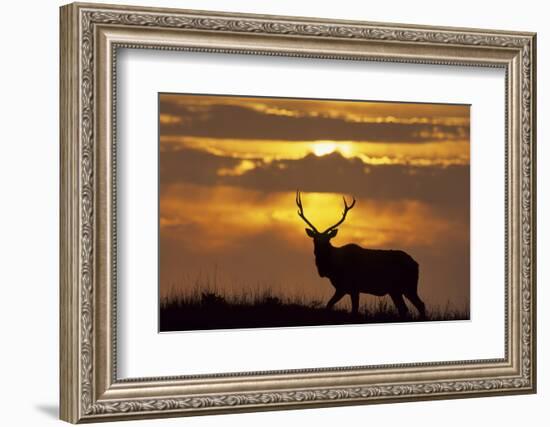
(211, 298)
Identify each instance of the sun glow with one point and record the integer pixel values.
(323, 148)
(371, 153)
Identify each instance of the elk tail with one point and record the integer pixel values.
(416, 275)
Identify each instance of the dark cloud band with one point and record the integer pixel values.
(231, 121)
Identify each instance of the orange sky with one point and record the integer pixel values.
(229, 168)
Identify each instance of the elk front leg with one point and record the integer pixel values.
(335, 298)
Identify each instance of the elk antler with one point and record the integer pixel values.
(301, 211)
(346, 209)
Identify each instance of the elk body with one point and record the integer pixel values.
(353, 270)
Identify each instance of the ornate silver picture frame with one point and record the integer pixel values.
(91, 37)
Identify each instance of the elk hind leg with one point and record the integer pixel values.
(335, 298)
(418, 303)
(400, 304)
(354, 303)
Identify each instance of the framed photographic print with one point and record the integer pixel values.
(265, 212)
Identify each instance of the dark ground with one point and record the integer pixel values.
(211, 311)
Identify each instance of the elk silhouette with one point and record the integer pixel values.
(353, 270)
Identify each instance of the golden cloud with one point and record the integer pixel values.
(214, 218)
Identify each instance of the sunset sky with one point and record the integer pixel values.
(230, 167)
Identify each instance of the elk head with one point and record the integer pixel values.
(321, 240)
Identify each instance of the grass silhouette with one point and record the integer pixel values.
(209, 309)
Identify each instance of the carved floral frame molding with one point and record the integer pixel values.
(90, 37)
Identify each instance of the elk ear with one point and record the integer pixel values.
(310, 233)
(332, 233)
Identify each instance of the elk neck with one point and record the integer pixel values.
(323, 251)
